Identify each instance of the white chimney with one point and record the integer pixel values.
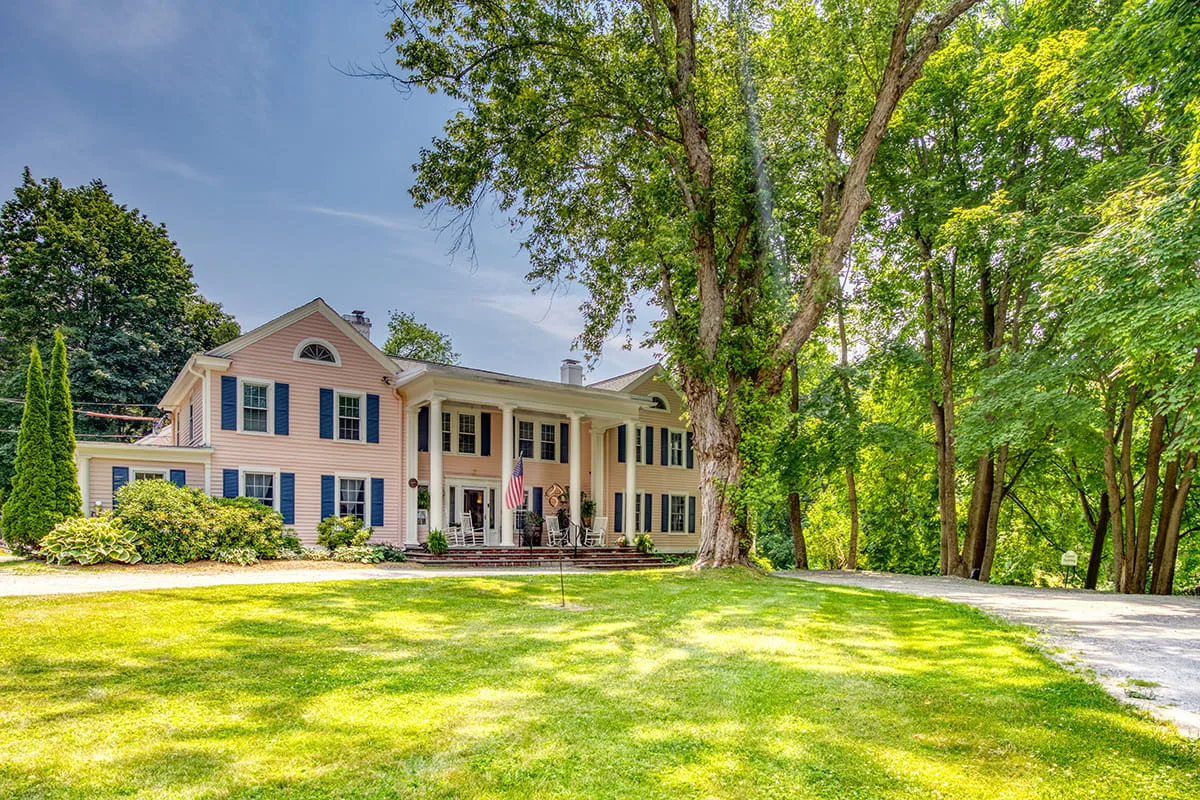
(360, 321)
(571, 372)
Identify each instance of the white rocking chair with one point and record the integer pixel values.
(555, 536)
(594, 536)
(471, 535)
(454, 536)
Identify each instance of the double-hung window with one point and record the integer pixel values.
(447, 432)
(637, 512)
(549, 451)
(678, 513)
(255, 406)
(149, 475)
(525, 438)
(352, 498)
(260, 486)
(638, 430)
(466, 433)
(350, 417)
(676, 442)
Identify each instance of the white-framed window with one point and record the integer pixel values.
(255, 404)
(521, 513)
(525, 438)
(549, 442)
(677, 518)
(350, 408)
(638, 433)
(148, 474)
(352, 496)
(659, 402)
(468, 426)
(637, 512)
(675, 442)
(317, 351)
(447, 432)
(262, 485)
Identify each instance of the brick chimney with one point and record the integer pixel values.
(360, 321)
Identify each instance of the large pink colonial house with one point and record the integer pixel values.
(307, 415)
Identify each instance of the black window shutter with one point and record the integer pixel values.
(621, 444)
(564, 452)
(423, 429)
(664, 456)
(649, 443)
(647, 512)
(691, 514)
(665, 523)
(619, 510)
(485, 434)
(691, 459)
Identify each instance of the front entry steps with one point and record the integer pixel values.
(598, 558)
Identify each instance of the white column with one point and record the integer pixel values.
(506, 468)
(575, 459)
(410, 471)
(83, 474)
(437, 483)
(597, 487)
(630, 479)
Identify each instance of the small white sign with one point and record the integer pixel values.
(1069, 559)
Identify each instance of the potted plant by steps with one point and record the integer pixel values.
(622, 542)
(587, 510)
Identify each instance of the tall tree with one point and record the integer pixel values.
(27, 516)
(633, 140)
(112, 282)
(64, 498)
(408, 338)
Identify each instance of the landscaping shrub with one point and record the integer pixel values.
(436, 543)
(83, 540)
(315, 554)
(242, 556)
(362, 554)
(643, 543)
(290, 546)
(173, 523)
(243, 523)
(391, 553)
(335, 532)
(761, 561)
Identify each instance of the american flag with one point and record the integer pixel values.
(515, 496)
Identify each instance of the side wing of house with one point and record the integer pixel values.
(665, 495)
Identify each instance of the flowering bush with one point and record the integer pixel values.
(242, 556)
(361, 554)
(643, 543)
(172, 523)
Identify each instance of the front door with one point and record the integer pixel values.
(473, 510)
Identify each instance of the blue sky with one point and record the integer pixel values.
(280, 178)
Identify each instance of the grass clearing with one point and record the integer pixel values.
(655, 685)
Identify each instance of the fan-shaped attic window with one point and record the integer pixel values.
(659, 402)
(317, 351)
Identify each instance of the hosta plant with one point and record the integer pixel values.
(90, 540)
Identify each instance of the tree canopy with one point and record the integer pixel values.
(408, 338)
(112, 281)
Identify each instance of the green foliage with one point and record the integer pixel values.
(361, 554)
(28, 512)
(408, 338)
(241, 556)
(391, 552)
(174, 524)
(243, 523)
(90, 540)
(113, 283)
(290, 545)
(643, 543)
(436, 543)
(64, 498)
(335, 532)
(316, 554)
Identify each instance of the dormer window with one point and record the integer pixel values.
(317, 351)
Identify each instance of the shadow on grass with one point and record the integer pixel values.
(673, 685)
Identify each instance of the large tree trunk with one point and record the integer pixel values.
(992, 529)
(723, 538)
(852, 497)
(799, 546)
(1172, 512)
(851, 488)
(1099, 534)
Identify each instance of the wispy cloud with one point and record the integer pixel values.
(376, 220)
(130, 27)
(173, 166)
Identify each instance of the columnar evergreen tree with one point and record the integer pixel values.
(64, 499)
(27, 515)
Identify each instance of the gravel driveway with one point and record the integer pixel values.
(1144, 649)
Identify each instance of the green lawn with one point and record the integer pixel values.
(665, 684)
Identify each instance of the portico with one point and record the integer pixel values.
(454, 418)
